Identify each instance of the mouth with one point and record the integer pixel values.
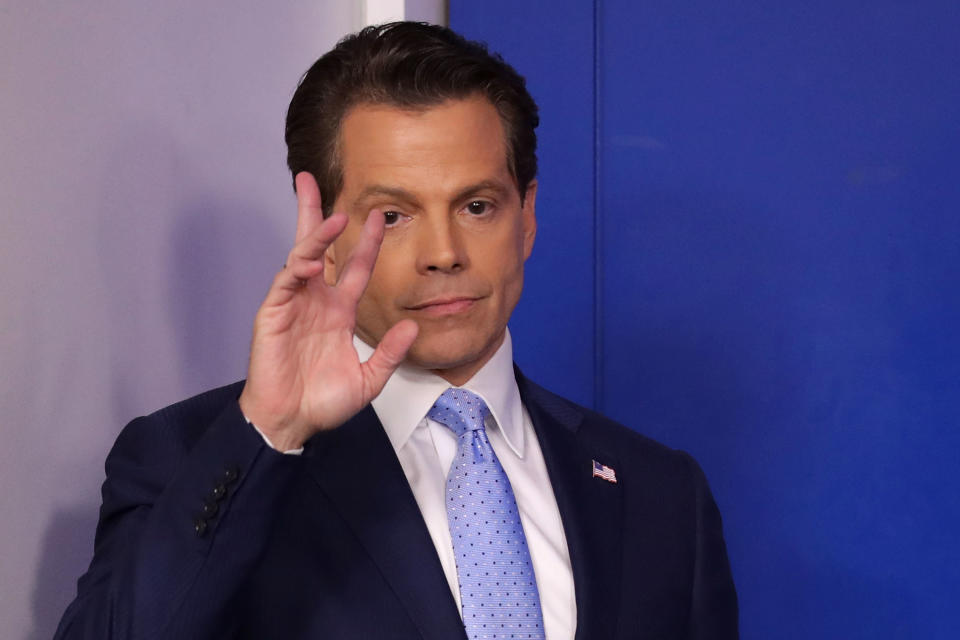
(444, 306)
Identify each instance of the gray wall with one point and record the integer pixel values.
(145, 206)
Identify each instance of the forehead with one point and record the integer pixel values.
(434, 148)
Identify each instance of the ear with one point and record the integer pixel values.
(330, 264)
(529, 218)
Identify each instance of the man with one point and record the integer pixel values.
(384, 471)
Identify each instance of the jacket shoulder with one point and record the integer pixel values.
(181, 424)
(671, 526)
(620, 441)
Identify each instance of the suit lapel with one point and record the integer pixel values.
(356, 467)
(358, 470)
(590, 508)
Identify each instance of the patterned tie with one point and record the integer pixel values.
(498, 590)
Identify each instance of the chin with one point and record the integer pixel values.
(430, 357)
(449, 350)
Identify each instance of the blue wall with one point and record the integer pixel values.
(749, 248)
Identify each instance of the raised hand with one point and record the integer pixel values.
(304, 373)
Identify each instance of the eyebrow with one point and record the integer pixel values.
(400, 193)
(485, 185)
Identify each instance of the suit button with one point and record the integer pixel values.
(210, 508)
(219, 491)
(231, 475)
(200, 526)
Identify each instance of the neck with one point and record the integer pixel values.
(459, 376)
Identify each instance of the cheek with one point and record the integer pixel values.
(375, 311)
(504, 260)
(386, 281)
(512, 247)
(377, 289)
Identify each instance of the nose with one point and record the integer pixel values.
(440, 248)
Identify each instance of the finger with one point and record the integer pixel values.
(356, 272)
(309, 205)
(387, 356)
(305, 260)
(285, 287)
(312, 248)
(298, 277)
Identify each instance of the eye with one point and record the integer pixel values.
(478, 207)
(391, 218)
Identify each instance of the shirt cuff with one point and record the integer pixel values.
(291, 452)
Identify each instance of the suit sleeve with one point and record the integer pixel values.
(185, 515)
(714, 611)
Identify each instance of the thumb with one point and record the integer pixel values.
(388, 355)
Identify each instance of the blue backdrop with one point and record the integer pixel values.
(749, 248)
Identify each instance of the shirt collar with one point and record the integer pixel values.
(411, 391)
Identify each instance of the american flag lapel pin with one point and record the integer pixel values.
(605, 472)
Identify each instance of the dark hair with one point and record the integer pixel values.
(410, 65)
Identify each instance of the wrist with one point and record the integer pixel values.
(279, 434)
(292, 452)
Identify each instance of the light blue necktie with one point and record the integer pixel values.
(498, 590)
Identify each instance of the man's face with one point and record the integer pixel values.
(457, 235)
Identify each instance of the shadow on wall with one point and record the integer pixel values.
(64, 556)
(184, 270)
(224, 256)
(221, 258)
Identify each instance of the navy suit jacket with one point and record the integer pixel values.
(206, 532)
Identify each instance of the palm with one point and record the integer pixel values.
(304, 372)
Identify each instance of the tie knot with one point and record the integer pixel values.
(459, 410)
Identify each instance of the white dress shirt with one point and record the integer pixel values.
(426, 450)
